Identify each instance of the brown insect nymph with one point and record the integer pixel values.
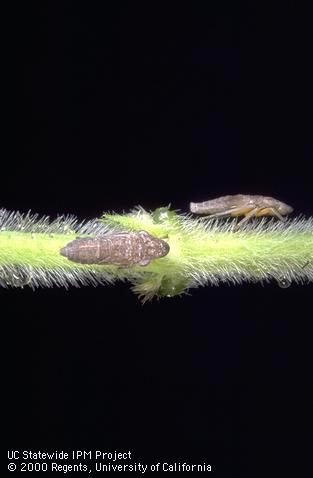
(123, 249)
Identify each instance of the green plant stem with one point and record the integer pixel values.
(201, 252)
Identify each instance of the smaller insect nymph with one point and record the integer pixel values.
(242, 205)
(123, 249)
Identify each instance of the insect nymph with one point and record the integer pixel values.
(242, 205)
(122, 249)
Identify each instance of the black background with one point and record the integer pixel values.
(152, 104)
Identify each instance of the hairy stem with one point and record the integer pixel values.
(201, 252)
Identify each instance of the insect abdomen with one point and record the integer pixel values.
(83, 250)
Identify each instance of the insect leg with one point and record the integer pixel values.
(276, 213)
(234, 211)
(248, 216)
